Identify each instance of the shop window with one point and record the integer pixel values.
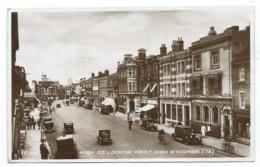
(197, 113)
(174, 112)
(168, 111)
(180, 112)
(215, 114)
(206, 114)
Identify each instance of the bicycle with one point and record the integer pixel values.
(228, 147)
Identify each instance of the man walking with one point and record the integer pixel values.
(130, 122)
(44, 151)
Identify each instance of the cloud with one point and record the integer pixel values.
(74, 44)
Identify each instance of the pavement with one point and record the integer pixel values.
(127, 144)
(33, 141)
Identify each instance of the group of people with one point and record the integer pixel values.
(31, 123)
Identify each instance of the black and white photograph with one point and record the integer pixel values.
(128, 85)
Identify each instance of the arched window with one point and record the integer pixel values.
(206, 114)
(215, 114)
(197, 112)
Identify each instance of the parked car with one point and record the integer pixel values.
(47, 118)
(104, 137)
(89, 106)
(66, 148)
(58, 105)
(149, 124)
(43, 113)
(186, 135)
(106, 109)
(68, 128)
(48, 126)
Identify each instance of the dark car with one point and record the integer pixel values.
(186, 135)
(104, 137)
(48, 126)
(106, 109)
(66, 148)
(68, 128)
(47, 118)
(149, 124)
(58, 105)
(89, 106)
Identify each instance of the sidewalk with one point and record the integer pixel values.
(119, 115)
(240, 149)
(32, 145)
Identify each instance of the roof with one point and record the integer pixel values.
(47, 122)
(66, 137)
(69, 122)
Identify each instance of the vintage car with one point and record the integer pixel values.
(186, 135)
(66, 148)
(47, 118)
(43, 113)
(68, 128)
(104, 137)
(48, 126)
(106, 109)
(58, 105)
(148, 124)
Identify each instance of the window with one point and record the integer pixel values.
(215, 114)
(168, 112)
(133, 86)
(214, 84)
(197, 62)
(130, 72)
(197, 113)
(242, 99)
(183, 89)
(130, 86)
(174, 112)
(215, 58)
(206, 114)
(242, 76)
(183, 67)
(179, 113)
(197, 85)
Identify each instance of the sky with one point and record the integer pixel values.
(73, 44)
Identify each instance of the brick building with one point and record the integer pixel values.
(175, 76)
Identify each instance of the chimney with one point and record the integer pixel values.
(107, 72)
(175, 46)
(181, 44)
(141, 54)
(212, 31)
(92, 75)
(99, 73)
(163, 50)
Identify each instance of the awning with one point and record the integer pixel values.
(109, 101)
(147, 107)
(154, 86)
(146, 88)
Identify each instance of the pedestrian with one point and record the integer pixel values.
(44, 151)
(130, 122)
(27, 123)
(30, 123)
(33, 124)
(39, 123)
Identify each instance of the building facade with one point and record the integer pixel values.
(212, 83)
(128, 95)
(148, 83)
(241, 84)
(175, 78)
(47, 88)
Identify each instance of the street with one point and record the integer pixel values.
(135, 143)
